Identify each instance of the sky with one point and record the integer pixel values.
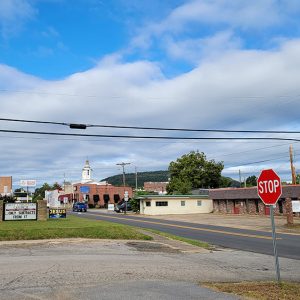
(196, 64)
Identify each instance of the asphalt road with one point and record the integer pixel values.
(288, 245)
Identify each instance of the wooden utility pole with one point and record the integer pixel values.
(123, 167)
(292, 166)
(136, 182)
(288, 201)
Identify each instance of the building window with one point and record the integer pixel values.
(182, 203)
(148, 203)
(161, 203)
(199, 202)
(116, 198)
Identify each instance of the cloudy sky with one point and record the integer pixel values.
(198, 64)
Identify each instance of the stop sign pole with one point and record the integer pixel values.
(269, 190)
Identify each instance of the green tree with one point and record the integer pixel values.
(192, 171)
(251, 181)
(56, 186)
(40, 192)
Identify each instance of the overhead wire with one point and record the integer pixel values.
(148, 137)
(154, 128)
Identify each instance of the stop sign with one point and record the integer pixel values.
(269, 187)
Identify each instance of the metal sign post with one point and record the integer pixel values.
(274, 243)
(269, 190)
(126, 199)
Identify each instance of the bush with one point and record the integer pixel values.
(135, 204)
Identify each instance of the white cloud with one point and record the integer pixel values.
(240, 13)
(235, 90)
(13, 14)
(194, 50)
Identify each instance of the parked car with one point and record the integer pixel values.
(80, 206)
(120, 207)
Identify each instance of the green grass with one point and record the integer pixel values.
(295, 227)
(260, 290)
(71, 227)
(182, 239)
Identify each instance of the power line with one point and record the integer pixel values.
(148, 137)
(152, 128)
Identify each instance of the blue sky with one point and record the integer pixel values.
(53, 39)
(203, 64)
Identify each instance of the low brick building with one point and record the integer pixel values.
(158, 187)
(98, 194)
(5, 185)
(246, 200)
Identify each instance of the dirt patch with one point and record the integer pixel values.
(260, 290)
(152, 247)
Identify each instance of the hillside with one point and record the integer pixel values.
(156, 176)
(142, 177)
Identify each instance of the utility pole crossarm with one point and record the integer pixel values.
(122, 164)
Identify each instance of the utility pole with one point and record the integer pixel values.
(123, 167)
(240, 178)
(288, 200)
(135, 178)
(292, 166)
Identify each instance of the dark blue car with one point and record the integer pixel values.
(80, 206)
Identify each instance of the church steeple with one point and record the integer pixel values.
(86, 172)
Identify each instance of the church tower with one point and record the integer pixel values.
(86, 172)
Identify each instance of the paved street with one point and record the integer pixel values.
(236, 238)
(105, 269)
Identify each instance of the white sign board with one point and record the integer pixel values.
(29, 183)
(111, 207)
(126, 196)
(296, 206)
(20, 211)
(52, 198)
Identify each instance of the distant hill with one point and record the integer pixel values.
(155, 176)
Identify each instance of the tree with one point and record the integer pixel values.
(56, 186)
(251, 181)
(192, 171)
(40, 192)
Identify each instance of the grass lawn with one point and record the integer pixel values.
(260, 290)
(71, 227)
(295, 227)
(182, 239)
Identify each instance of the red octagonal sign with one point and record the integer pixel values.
(269, 187)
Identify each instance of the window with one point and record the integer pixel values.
(182, 203)
(148, 203)
(199, 202)
(116, 198)
(161, 203)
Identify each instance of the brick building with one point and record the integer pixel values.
(246, 200)
(158, 187)
(5, 185)
(95, 193)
